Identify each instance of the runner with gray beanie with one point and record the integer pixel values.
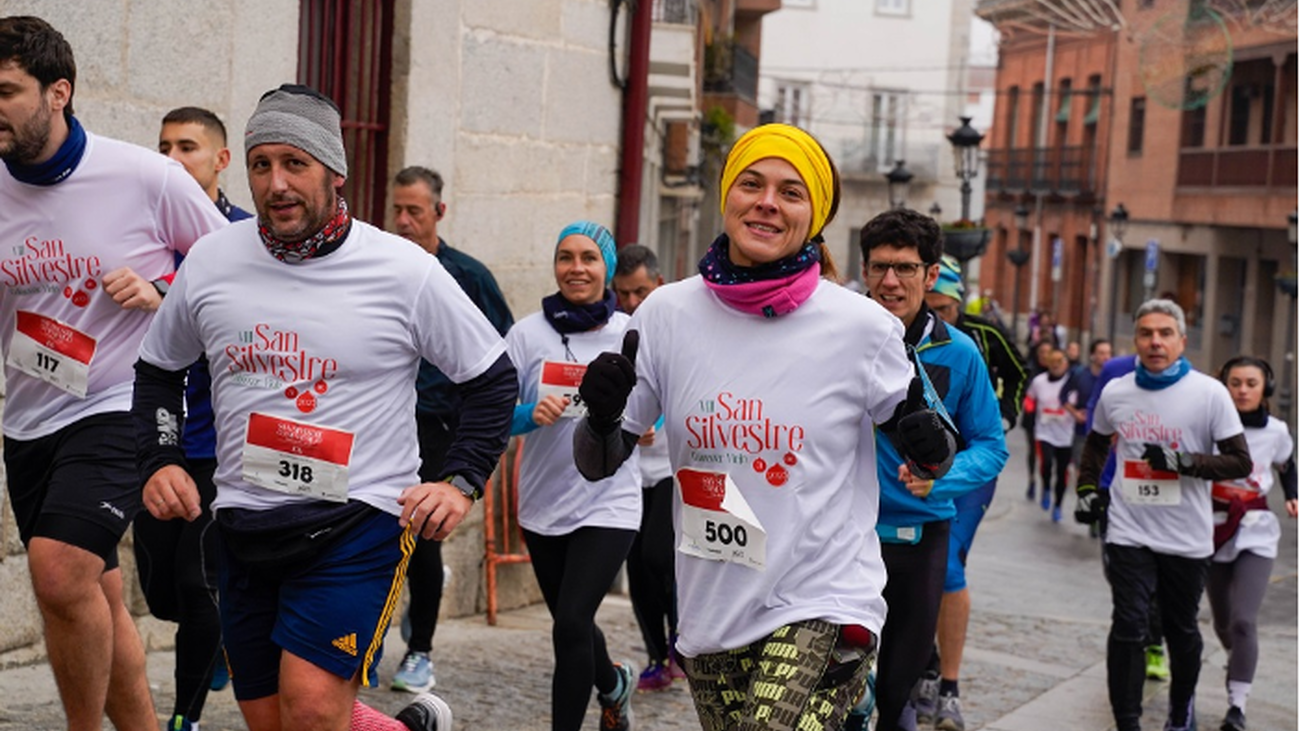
(315, 325)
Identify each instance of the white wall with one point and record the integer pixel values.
(135, 63)
(512, 103)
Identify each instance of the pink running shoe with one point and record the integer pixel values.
(675, 671)
(654, 678)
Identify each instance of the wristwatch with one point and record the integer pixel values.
(162, 285)
(466, 488)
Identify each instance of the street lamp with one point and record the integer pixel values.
(935, 210)
(1018, 258)
(1286, 284)
(965, 148)
(1021, 215)
(899, 179)
(1118, 223)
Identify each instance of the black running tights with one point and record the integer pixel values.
(575, 572)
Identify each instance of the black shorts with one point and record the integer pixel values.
(78, 485)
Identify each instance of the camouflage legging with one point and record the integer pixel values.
(788, 681)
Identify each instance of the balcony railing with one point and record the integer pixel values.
(731, 69)
(1058, 170)
(856, 159)
(1238, 167)
(679, 12)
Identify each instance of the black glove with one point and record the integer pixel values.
(1163, 458)
(926, 442)
(607, 383)
(1091, 505)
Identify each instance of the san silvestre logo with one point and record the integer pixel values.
(38, 263)
(728, 428)
(265, 357)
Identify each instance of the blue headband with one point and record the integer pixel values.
(949, 282)
(604, 241)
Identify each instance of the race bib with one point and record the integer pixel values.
(1055, 415)
(717, 523)
(1144, 485)
(53, 352)
(296, 458)
(561, 378)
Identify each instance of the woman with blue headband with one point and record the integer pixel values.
(770, 377)
(577, 532)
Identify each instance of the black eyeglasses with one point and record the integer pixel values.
(902, 269)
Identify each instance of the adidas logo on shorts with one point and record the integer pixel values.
(347, 643)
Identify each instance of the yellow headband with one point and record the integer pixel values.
(795, 147)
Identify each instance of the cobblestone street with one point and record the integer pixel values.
(1035, 658)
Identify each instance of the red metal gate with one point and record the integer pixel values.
(345, 52)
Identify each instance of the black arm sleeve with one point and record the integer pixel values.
(1008, 369)
(1095, 450)
(487, 405)
(1287, 479)
(158, 413)
(1232, 461)
(599, 455)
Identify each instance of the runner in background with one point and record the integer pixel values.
(578, 534)
(1175, 431)
(1007, 371)
(1246, 532)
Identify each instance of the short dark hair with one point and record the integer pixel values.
(420, 174)
(904, 228)
(197, 115)
(635, 256)
(1092, 347)
(40, 50)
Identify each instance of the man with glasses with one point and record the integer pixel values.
(901, 250)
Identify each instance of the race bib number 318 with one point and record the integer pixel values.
(296, 458)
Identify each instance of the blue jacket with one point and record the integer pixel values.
(956, 368)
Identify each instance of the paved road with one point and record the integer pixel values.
(1035, 660)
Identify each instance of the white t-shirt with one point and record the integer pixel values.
(123, 206)
(1170, 516)
(328, 346)
(554, 498)
(785, 409)
(654, 461)
(1258, 532)
(1052, 423)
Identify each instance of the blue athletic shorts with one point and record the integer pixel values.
(332, 612)
(970, 511)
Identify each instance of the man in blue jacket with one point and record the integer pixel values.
(901, 250)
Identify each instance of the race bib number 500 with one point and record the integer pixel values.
(47, 349)
(717, 523)
(297, 459)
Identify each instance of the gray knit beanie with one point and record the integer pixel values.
(300, 116)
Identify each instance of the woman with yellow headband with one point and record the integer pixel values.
(769, 377)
